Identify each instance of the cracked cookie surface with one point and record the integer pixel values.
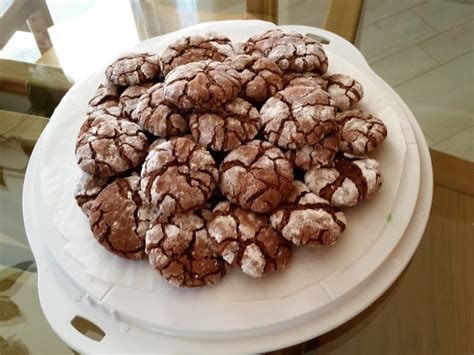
(345, 91)
(256, 176)
(307, 219)
(247, 240)
(129, 99)
(261, 78)
(178, 175)
(107, 146)
(158, 116)
(182, 251)
(106, 95)
(317, 155)
(236, 123)
(190, 49)
(361, 133)
(133, 69)
(87, 188)
(119, 218)
(202, 85)
(305, 79)
(298, 116)
(350, 181)
(290, 50)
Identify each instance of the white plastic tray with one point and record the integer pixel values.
(71, 282)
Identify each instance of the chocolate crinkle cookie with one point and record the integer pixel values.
(107, 146)
(236, 123)
(345, 91)
(305, 79)
(129, 99)
(256, 176)
(247, 240)
(181, 250)
(261, 78)
(202, 85)
(317, 155)
(159, 116)
(361, 133)
(133, 69)
(290, 50)
(87, 188)
(308, 219)
(119, 218)
(350, 181)
(213, 46)
(106, 95)
(298, 116)
(178, 175)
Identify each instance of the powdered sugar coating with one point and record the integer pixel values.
(87, 188)
(305, 79)
(347, 183)
(361, 133)
(345, 91)
(298, 116)
(320, 154)
(178, 175)
(290, 50)
(308, 219)
(236, 123)
(133, 69)
(107, 146)
(158, 116)
(106, 95)
(256, 176)
(129, 99)
(180, 249)
(246, 240)
(119, 218)
(195, 48)
(202, 85)
(261, 78)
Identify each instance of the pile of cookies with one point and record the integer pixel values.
(217, 153)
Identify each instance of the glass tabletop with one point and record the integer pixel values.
(423, 49)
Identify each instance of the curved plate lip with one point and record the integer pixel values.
(253, 330)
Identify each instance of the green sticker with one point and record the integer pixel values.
(389, 218)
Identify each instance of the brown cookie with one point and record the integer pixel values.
(119, 218)
(106, 95)
(261, 78)
(87, 188)
(361, 132)
(158, 116)
(298, 116)
(133, 69)
(347, 183)
(129, 99)
(308, 219)
(180, 249)
(202, 85)
(290, 50)
(190, 49)
(236, 123)
(317, 155)
(305, 79)
(107, 146)
(178, 175)
(256, 176)
(345, 91)
(246, 240)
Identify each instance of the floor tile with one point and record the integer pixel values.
(404, 65)
(442, 99)
(451, 44)
(376, 10)
(444, 15)
(460, 145)
(393, 35)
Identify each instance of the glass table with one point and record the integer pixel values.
(46, 46)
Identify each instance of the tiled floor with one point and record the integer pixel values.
(425, 50)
